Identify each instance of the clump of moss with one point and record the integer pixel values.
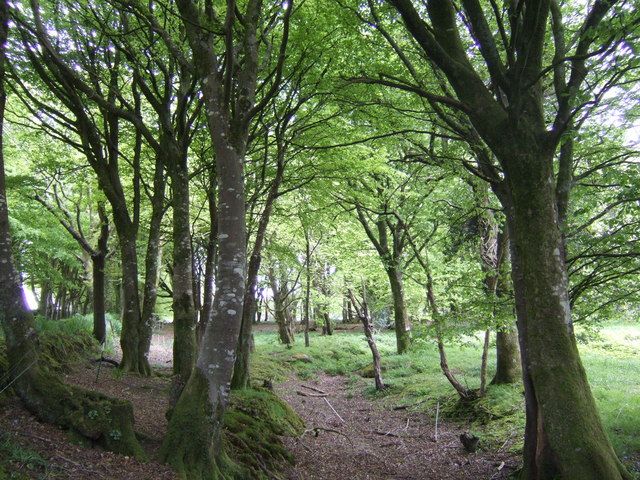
(254, 423)
(498, 417)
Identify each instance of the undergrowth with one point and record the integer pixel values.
(21, 463)
(611, 358)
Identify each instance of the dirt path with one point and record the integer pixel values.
(359, 440)
(362, 440)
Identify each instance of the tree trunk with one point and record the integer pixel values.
(133, 337)
(98, 259)
(400, 314)
(193, 445)
(494, 255)
(212, 256)
(184, 314)
(99, 323)
(363, 313)
(564, 437)
(153, 255)
(508, 366)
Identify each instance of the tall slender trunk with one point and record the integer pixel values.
(153, 255)
(212, 254)
(184, 313)
(400, 314)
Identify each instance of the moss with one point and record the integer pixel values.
(498, 418)
(59, 351)
(193, 445)
(254, 423)
(103, 421)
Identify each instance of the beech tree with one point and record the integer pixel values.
(512, 84)
(229, 55)
(42, 392)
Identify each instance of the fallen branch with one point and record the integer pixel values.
(392, 444)
(106, 360)
(384, 434)
(409, 405)
(305, 394)
(79, 466)
(317, 430)
(312, 388)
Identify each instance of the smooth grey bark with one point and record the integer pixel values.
(228, 67)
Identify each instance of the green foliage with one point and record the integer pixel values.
(612, 361)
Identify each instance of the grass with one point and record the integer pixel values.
(611, 359)
(20, 462)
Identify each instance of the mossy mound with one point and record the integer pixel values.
(368, 371)
(498, 418)
(300, 357)
(60, 351)
(254, 423)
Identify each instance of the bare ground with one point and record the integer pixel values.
(352, 437)
(349, 436)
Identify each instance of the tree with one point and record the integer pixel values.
(41, 392)
(226, 58)
(98, 255)
(82, 103)
(503, 103)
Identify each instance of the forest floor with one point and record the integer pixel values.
(349, 436)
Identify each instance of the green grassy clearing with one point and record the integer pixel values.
(611, 358)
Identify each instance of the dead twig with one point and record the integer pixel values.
(409, 405)
(317, 430)
(79, 466)
(392, 444)
(334, 410)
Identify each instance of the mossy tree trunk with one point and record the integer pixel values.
(95, 417)
(184, 313)
(508, 364)
(390, 253)
(193, 445)
(494, 253)
(281, 305)
(564, 437)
